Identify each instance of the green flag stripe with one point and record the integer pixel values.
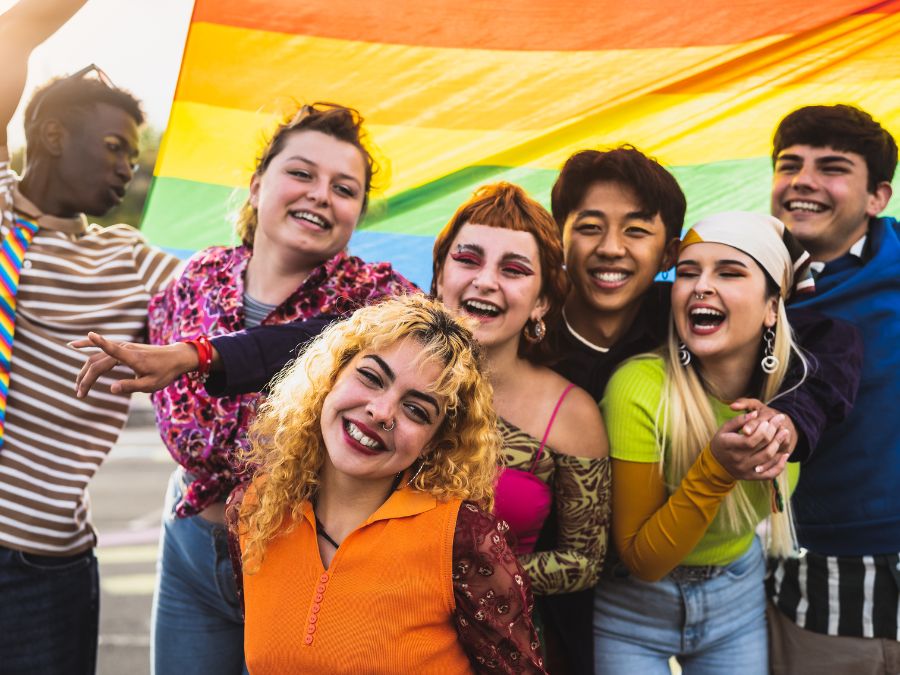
(183, 214)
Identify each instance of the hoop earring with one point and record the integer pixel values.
(684, 356)
(416, 474)
(538, 329)
(769, 362)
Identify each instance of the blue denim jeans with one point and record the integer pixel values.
(713, 626)
(197, 626)
(49, 608)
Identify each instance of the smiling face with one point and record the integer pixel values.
(494, 276)
(95, 164)
(310, 196)
(720, 304)
(390, 387)
(822, 195)
(614, 249)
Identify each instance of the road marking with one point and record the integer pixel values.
(147, 535)
(150, 519)
(124, 640)
(128, 584)
(151, 453)
(125, 555)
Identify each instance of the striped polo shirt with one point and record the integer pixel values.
(75, 278)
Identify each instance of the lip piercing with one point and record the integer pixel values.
(390, 428)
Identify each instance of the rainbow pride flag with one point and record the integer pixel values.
(457, 94)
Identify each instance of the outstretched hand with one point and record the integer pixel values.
(754, 445)
(154, 366)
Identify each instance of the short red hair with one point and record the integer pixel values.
(509, 207)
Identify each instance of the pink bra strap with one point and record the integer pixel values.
(540, 452)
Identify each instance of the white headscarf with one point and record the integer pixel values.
(764, 238)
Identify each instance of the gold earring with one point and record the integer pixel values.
(535, 331)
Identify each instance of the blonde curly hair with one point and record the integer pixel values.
(287, 448)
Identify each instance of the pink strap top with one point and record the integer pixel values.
(522, 499)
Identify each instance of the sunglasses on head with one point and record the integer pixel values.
(84, 72)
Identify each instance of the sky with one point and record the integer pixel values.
(138, 43)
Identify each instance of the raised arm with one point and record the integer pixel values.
(22, 28)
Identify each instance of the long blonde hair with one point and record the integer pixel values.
(287, 447)
(687, 414)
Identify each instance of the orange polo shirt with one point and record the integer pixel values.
(385, 604)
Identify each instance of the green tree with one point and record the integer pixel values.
(132, 207)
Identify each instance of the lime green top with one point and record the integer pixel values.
(630, 406)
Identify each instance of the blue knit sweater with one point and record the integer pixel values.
(848, 499)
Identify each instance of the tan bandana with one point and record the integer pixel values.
(765, 239)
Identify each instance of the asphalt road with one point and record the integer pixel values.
(127, 496)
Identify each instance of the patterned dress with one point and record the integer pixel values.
(581, 494)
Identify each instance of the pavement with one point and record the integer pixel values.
(127, 497)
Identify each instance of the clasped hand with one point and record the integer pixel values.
(755, 445)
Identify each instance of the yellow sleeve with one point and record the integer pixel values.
(653, 531)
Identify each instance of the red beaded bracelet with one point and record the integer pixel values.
(205, 354)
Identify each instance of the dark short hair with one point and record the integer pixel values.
(71, 99)
(655, 188)
(339, 122)
(508, 207)
(845, 128)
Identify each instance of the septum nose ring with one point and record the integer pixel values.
(700, 296)
(390, 428)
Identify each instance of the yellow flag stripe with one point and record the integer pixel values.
(219, 146)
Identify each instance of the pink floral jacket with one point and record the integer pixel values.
(203, 433)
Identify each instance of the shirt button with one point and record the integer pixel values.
(324, 578)
(315, 607)
(308, 639)
(27, 264)
(319, 597)
(310, 629)
(320, 588)
(313, 618)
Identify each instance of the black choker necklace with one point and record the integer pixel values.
(320, 529)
